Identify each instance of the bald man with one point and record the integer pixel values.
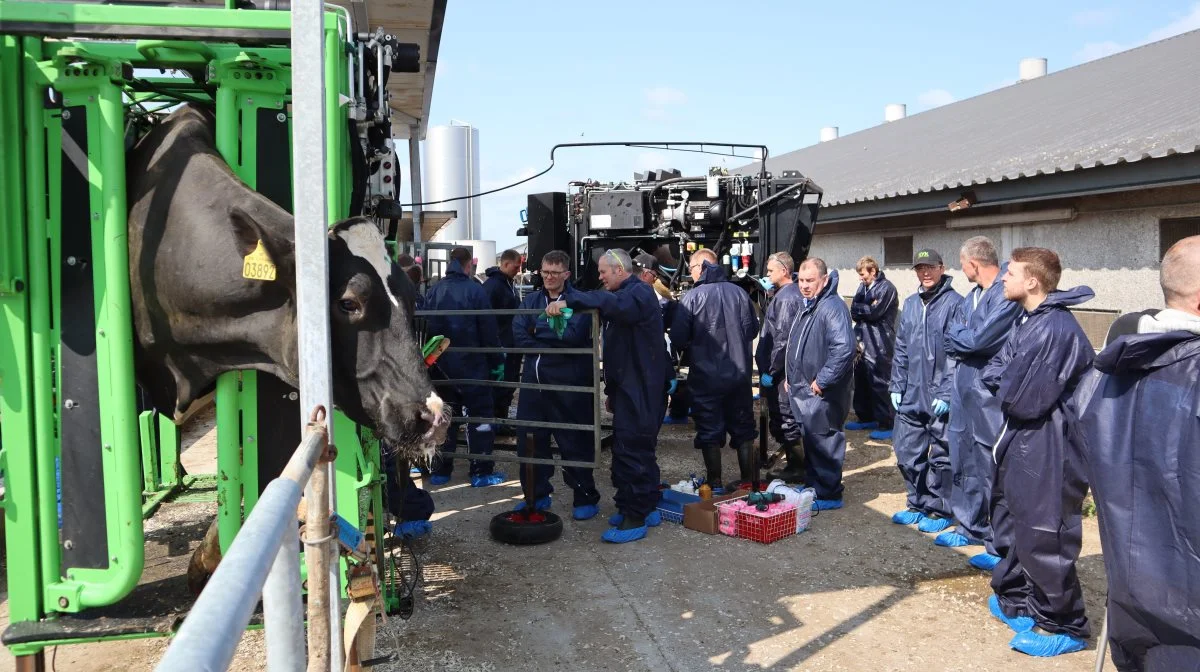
(1138, 430)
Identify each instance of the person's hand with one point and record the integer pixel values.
(766, 284)
(498, 372)
(674, 386)
(940, 408)
(554, 308)
(787, 389)
(765, 380)
(896, 400)
(816, 389)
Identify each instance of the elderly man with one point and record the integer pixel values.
(770, 358)
(634, 381)
(874, 311)
(820, 362)
(1138, 429)
(1037, 497)
(920, 390)
(715, 323)
(565, 407)
(976, 333)
(458, 291)
(503, 296)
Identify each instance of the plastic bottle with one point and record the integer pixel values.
(705, 491)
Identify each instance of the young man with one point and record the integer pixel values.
(820, 362)
(770, 357)
(715, 323)
(503, 296)
(920, 390)
(1138, 430)
(531, 331)
(874, 311)
(1038, 494)
(976, 333)
(459, 291)
(634, 380)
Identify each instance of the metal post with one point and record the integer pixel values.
(312, 294)
(597, 387)
(283, 610)
(414, 178)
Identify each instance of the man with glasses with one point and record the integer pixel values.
(770, 357)
(536, 331)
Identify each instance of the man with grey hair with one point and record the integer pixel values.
(1138, 430)
(976, 332)
(634, 382)
(771, 361)
(820, 361)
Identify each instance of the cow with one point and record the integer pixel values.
(193, 229)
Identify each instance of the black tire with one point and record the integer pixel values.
(511, 527)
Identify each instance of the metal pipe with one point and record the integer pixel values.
(414, 172)
(521, 423)
(1102, 642)
(283, 610)
(310, 105)
(379, 79)
(587, 389)
(214, 626)
(500, 457)
(596, 387)
(525, 351)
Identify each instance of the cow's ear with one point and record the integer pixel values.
(246, 231)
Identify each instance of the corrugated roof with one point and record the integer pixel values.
(1139, 104)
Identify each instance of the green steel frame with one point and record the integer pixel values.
(140, 452)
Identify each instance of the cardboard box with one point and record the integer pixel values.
(702, 516)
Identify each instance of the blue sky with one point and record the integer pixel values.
(532, 73)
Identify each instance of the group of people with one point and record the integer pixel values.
(999, 411)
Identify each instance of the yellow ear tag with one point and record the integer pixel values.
(258, 265)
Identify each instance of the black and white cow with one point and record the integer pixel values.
(192, 223)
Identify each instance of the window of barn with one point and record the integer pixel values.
(898, 251)
(1171, 231)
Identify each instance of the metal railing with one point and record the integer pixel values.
(264, 560)
(595, 389)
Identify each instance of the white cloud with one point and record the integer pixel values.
(1188, 22)
(659, 100)
(935, 98)
(1095, 17)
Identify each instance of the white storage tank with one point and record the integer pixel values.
(452, 171)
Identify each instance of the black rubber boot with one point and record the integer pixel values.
(746, 466)
(712, 465)
(794, 471)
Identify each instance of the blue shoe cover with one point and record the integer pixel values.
(487, 480)
(928, 524)
(438, 479)
(585, 512)
(540, 504)
(414, 471)
(414, 528)
(1016, 623)
(880, 435)
(985, 561)
(951, 539)
(652, 520)
(1044, 646)
(616, 536)
(826, 504)
(855, 426)
(906, 517)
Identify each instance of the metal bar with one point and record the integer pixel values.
(523, 460)
(526, 351)
(214, 626)
(283, 610)
(487, 311)
(584, 389)
(73, 15)
(597, 389)
(414, 180)
(309, 138)
(522, 423)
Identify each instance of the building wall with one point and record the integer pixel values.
(1111, 246)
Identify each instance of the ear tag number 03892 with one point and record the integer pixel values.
(258, 265)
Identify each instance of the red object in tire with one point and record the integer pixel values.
(521, 517)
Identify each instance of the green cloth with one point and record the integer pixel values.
(559, 323)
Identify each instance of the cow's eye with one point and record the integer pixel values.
(349, 306)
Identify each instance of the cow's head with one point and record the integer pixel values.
(379, 375)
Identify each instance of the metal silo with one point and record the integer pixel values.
(452, 171)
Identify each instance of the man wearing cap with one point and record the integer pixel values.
(647, 271)
(922, 382)
(770, 358)
(716, 323)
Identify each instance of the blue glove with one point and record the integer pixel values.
(765, 380)
(674, 386)
(896, 400)
(766, 284)
(940, 408)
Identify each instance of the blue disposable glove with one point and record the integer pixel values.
(766, 284)
(674, 386)
(940, 408)
(896, 400)
(765, 380)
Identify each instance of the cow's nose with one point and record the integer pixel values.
(433, 417)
